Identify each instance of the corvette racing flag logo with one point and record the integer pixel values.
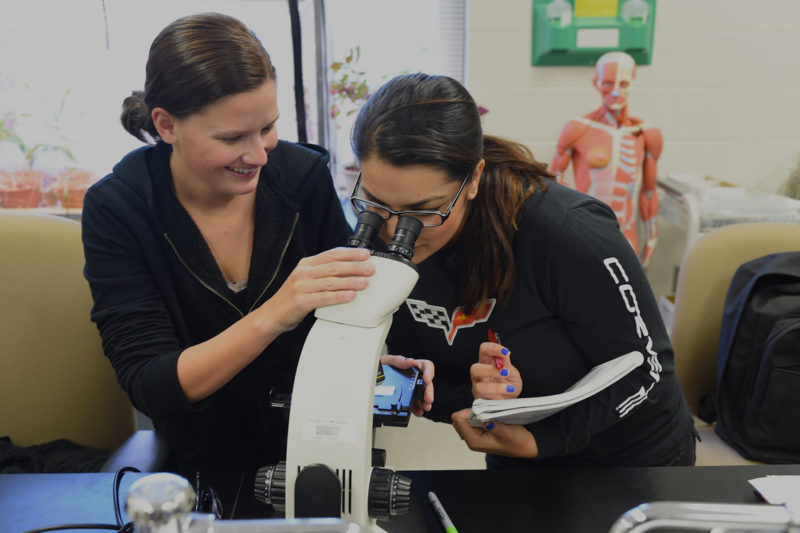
(437, 317)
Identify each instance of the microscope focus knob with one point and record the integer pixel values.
(160, 502)
(389, 494)
(270, 485)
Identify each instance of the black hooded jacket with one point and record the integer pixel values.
(157, 290)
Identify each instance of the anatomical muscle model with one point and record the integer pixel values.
(614, 156)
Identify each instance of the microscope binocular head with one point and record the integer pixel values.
(402, 244)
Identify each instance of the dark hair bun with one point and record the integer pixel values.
(136, 118)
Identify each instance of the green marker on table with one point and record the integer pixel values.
(440, 512)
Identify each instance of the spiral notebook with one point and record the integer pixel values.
(529, 410)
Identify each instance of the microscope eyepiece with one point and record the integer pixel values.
(367, 228)
(402, 244)
(405, 234)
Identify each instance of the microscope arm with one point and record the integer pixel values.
(330, 422)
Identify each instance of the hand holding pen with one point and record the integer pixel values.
(494, 377)
(498, 362)
(493, 383)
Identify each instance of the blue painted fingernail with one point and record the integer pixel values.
(504, 351)
(490, 425)
(504, 372)
(510, 388)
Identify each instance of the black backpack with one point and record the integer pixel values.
(758, 373)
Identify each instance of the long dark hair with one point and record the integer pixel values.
(193, 62)
(419, 119)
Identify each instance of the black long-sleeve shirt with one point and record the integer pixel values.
(580, 298)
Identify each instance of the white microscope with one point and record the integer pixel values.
(329, 463)
(328, 482)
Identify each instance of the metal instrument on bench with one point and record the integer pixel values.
(715, 517)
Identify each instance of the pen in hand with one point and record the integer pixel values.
(498, 363)
(447, 524)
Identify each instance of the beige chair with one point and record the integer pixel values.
(55, 382)
(703, 280)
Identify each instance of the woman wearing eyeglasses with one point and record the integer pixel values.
(507, 252)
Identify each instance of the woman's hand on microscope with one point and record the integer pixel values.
(330, 277)
(426, 370)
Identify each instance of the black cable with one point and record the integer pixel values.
(119, 526)
(115, 493)
(74, 526)
(299, 96)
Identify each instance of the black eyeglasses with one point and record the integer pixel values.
(428, 217)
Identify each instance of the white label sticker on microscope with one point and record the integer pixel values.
(329, 429)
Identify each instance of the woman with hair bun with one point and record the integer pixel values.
(207, 249)
(507, 254)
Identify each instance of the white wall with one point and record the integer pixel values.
(723, 86)
(49, 47)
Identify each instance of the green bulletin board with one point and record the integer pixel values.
(577, 32)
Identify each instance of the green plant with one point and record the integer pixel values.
(29, 151)
(7, 128)
(26, 187)
(349, 86)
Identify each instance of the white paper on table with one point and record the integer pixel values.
(529, 410)
(779, 490)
